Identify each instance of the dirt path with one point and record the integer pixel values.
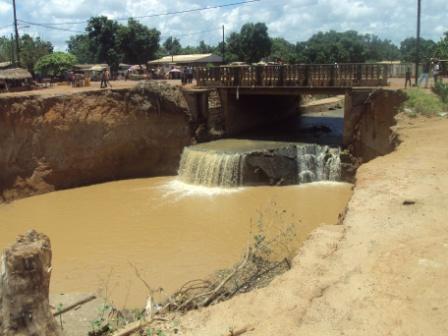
(64, 88)
(385, 272)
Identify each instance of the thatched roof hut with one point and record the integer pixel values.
(14, 74)
(5, 65)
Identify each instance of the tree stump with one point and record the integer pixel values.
(25, 272)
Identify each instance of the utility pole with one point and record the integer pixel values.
(417, 46)
(17, 33)
(223, 46)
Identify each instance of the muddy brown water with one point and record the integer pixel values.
(170, 231)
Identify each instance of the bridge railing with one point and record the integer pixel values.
(301, 75)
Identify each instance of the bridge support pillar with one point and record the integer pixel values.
(197, 100)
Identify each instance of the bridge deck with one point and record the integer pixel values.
(299, 77)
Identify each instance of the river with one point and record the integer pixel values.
(171, 232)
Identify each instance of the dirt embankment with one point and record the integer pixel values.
(56, 142)
(383, 272)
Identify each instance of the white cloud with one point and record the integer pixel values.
(296, 20)
(5, 8)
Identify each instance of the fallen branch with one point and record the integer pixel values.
(137, 274)
(136, 326)
(213, 295)
(74, 305)
(132, 328)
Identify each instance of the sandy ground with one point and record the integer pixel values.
(384, 272)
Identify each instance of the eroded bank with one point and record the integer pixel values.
(65, 141)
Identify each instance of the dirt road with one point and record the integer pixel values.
(384, 272)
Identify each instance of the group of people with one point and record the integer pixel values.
(433, 66)
(187, 75)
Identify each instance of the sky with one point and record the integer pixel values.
(295, 20)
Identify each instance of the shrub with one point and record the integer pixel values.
(441, 90)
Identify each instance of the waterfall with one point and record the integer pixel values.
(318, 163)
(227, 166)
(210, 168)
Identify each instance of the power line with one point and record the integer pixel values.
(240, 3)
(189, 34)
(7, 26)
(50, 27)
(194, 10)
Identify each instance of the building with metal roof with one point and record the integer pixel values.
(185, 60)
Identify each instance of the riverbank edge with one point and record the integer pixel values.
(359, 278)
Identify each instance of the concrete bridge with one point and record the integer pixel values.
(254, 96)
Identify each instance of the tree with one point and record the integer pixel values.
(441, 49)
(204, 48)
(138, 43)
(6, 49)
(79, 45)
(408, 49)
(32, 49)
(282, 50)
(56, 64)
(335, 47)
(251, 44)
(172, 46)
(102, 34)
(380, 50)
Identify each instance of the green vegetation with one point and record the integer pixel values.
(59, 308)
(154, 332)
(55, 64)
(171, 46)
(31, 49)
(441, 49)
(423, 102)
(251, 44)
(408, 49)
(441, 90)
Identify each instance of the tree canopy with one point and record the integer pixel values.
(441, 49)
(137, 43)
(251, 44)
(107, 41)
(172, 46)
(55, 64)
(79, 45)
(408, 49)
(31, 49)
(6, 49)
